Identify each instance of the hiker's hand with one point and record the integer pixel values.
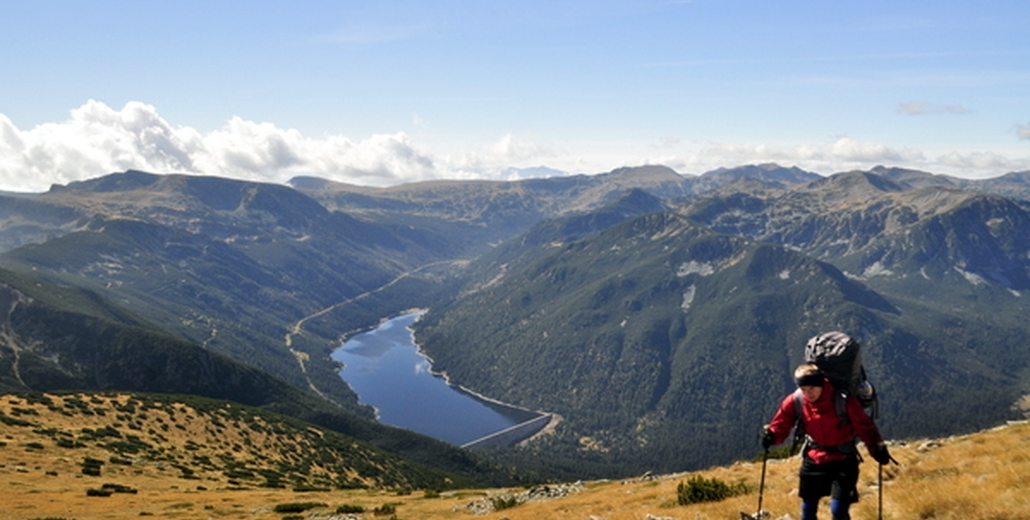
(882, 455)
(767, 437)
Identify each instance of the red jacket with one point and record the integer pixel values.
(823, 425)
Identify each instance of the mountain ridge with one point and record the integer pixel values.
(555, 304)
(648, 300)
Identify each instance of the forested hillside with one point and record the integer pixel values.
(666, 343)
(60, 339)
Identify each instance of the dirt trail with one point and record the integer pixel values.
(298, 327)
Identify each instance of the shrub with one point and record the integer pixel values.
(118, 488)
(385, 509)
(297, 507)
(349, 509)
(505, 503)
(12, 421)
(700, 489)
(92, 467)
(68, 443)
(781, 452)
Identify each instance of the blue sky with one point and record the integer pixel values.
(396, 91)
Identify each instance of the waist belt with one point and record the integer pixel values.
(845, 448)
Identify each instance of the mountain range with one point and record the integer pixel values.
(659, 314)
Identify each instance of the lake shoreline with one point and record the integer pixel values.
(443, 375)
(414, 402)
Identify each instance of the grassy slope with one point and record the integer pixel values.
(105, 347)
(213, 443)
(972, 477)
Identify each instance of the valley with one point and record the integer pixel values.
(388, 372)
(658, 314)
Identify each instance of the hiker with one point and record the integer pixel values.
(830, 458)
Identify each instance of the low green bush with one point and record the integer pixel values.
(700, 489)
(505, 503)
(385, 509)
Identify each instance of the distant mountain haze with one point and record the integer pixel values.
(659, 314)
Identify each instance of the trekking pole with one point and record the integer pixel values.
(880, 487)
(761, 485)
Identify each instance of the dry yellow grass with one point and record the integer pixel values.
(977, 477)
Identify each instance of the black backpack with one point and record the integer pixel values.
(839, 356)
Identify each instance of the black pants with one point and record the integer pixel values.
(837, 479)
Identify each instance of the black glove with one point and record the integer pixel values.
(882, 455)
(767, 437)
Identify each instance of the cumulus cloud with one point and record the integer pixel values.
(919, 108)
(512, 149)
(983, 161)
(497, 160)
(97, 139)
(841, 154)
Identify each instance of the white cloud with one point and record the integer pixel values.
(96, 140)
(852, 151)
(379, 160)
(511, 149)
(829, 157)
(983, 161)
(497, 160)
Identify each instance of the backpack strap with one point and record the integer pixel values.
(800, 437)
(840, 402)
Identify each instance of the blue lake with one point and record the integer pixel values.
(387, 371)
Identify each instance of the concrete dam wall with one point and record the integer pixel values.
(511, 435)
